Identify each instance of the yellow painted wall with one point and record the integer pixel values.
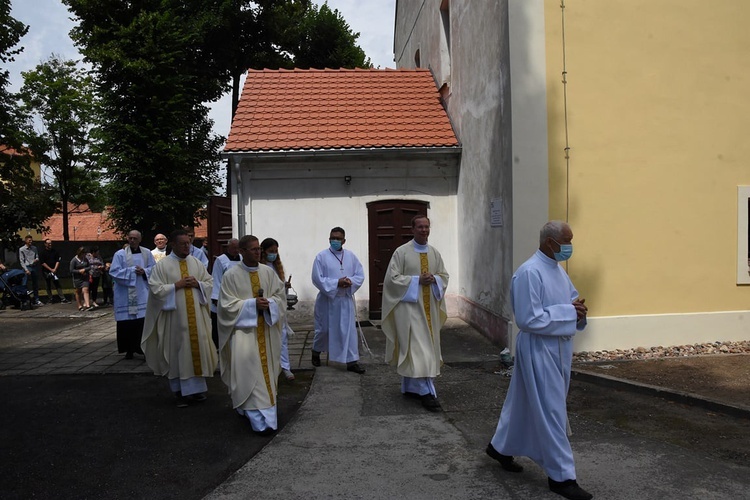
(658, 113)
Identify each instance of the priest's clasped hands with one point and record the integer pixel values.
(345, 282)
(426, 279)
(187, 282)
(581, 309)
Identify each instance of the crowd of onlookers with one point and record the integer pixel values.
(88, 270)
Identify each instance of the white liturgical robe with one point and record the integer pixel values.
(250, 343)
(413, 314)
(177, 331)
(335, 316)
(199, 254)
(159, 254)
(534, 419)
(130, 289)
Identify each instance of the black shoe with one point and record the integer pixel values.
(64, 301)
(430, 403)
(315, 358)
(412, 395)
(506, 461)
(354, 367)
(129, 355)
(569, 489)
(198, 397)
(265, 432)
(182, 401)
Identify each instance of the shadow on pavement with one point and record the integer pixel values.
(121, 436)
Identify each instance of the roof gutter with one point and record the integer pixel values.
(298, 154)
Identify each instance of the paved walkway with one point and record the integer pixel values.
(357, 437)
(90, 346)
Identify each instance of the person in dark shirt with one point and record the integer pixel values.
(50, 260)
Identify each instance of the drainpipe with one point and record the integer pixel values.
(238, 198)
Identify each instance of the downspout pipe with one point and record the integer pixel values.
(238, 197)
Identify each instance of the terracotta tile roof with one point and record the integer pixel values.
(7, 150)
(89, 226)
(339, 109)
(94, 226)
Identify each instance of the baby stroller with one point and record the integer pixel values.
(15, 292)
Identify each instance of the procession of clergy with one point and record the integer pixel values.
(171, 300)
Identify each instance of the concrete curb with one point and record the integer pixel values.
(653, 390)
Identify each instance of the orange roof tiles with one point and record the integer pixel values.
(83, 225)
(94, 226)
(339, 109)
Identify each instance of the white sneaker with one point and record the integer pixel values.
(288, 374)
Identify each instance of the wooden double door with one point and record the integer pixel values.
(389, 227)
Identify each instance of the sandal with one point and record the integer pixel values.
(81, 308)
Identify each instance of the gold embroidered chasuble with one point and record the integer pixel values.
(177, 329)
(250, 346)
(412, 329)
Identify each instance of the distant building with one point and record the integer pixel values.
(362, 149)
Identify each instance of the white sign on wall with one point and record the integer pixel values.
(496, 212)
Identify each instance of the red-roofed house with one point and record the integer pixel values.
(363, 149)
(84, 225)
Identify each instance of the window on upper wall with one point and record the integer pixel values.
(445, 42)
(417, 60)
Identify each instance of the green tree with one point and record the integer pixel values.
(156, 64)
(61, 97)
(24, 203)
(286, 34)
(325, 40)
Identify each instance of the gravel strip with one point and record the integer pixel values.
(678, 351)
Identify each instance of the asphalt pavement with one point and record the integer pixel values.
(352, 437)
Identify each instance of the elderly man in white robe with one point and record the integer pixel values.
(251, 316)
(177, 332)
(548, 312)
(160, 248)
(130, 270)
(337, 274)
(413, 313)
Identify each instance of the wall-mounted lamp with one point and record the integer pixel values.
(348, 179)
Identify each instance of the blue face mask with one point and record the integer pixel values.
(270, 257)
(335, 245)
(566, 251)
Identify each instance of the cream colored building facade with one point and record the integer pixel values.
(627, 120)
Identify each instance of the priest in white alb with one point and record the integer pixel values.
(177, 332)
(413, 313)
(548, 312)
(130, 270)
(337, 274)
(250, 318)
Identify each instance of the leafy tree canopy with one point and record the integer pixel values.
(158, 61)
(61, 96)
(154, 70)
(24, 202)
(327, 41)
